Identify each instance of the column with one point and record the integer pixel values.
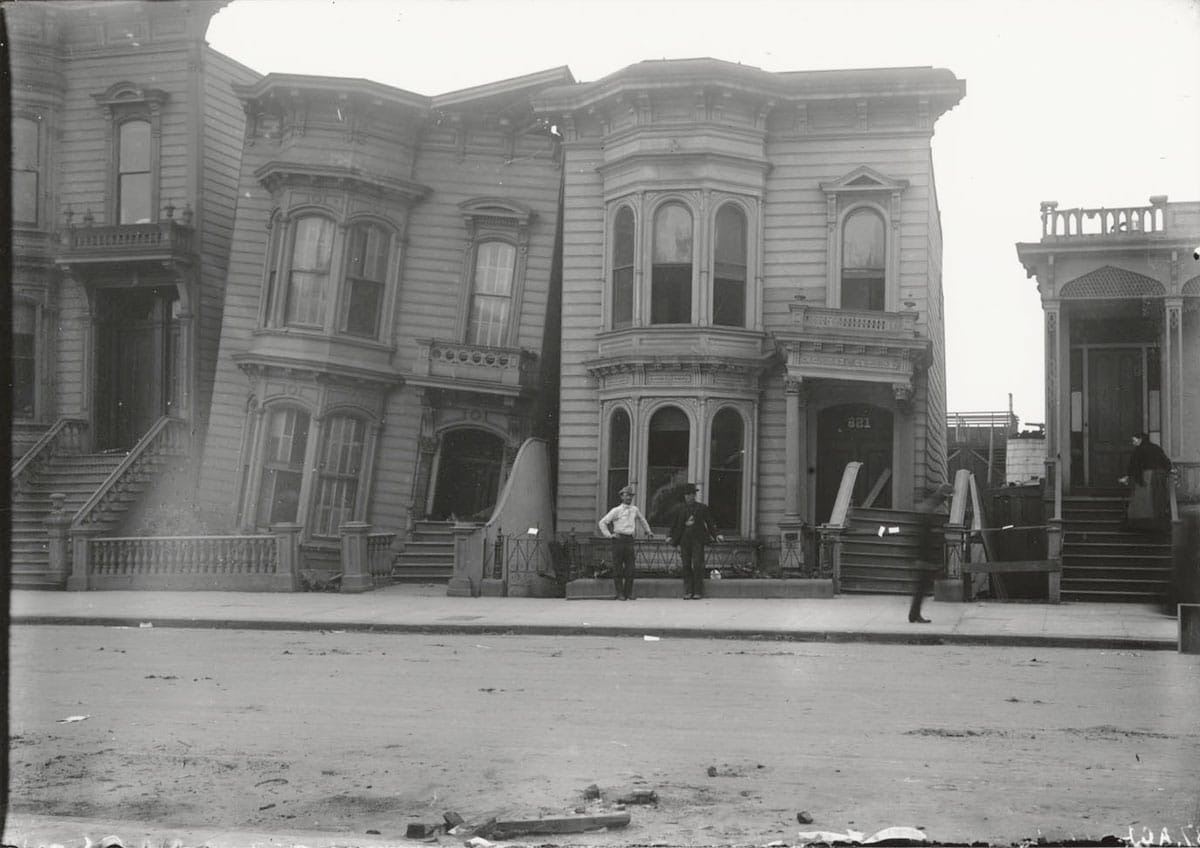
(796, 447)
(1172, 378)
(1054, 435)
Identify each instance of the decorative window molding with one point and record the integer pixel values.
(492, 283)
(134, 117)
(863, 188)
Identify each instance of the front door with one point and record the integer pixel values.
(132, 345)
(853, 433)
(468, 475)
(1115, 393)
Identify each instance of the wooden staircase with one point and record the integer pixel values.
(1104, 562)
(428, 556)
(77, 476)
(875, 564)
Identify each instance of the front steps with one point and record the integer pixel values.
(875, 564)
(1102, 561)
(428, 555)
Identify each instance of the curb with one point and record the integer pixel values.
(834, 636)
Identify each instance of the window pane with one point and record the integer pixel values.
(369, 247)
(667, 463)
(726, 461)
(494, 268)
(24, 197)
(492, 285)
(622, 290)
(24, 347)
(283, 466)
(731, 236)
(618, 455)
(862, 293)
(673, 235)
(363, 309)
(489, 321)
(134, 199)
(309, 280)
(134, 146)
(862, 241)
(340, 467)
(671, 295)
(25, 152)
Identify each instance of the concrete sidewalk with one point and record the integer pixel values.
(427, 609)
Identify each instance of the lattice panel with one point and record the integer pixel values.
(1110, 282)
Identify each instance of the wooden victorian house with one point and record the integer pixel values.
(1120, 292)
(752, 291)
(389, 307)
(126, 142)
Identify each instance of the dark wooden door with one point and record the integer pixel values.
(468, 478)
(130, 366)
(1114, 411)
(852, 433)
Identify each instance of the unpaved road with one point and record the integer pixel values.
(192, 732)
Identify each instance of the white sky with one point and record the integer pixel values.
(1087, 102)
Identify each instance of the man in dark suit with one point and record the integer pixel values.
(691, 530)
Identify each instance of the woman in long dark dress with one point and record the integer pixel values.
(1148, 476)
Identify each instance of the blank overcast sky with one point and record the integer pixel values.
(1090, 103)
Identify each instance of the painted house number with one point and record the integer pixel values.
(858, 422)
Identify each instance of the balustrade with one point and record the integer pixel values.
(380, 556)
(67, 435)
(163, 237)
(180, 555)
(1119, 221)
(513, 367)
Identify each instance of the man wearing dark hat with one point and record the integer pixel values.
(621, 525)
(928, 509)
(692, 529)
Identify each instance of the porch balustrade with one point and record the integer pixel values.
(1122, 221)
(858, 322)
(182, 555)
(451, 362)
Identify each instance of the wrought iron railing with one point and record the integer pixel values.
(168, 437)
(67, 435)
(178, 555)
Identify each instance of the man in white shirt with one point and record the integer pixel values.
(621, 525)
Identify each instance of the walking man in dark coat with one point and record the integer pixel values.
(928, 509)
(691, 530)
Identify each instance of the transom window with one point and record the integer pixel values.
(863, 261)
(134, 176)
(671, 271)
(26, 170)
(491, 295)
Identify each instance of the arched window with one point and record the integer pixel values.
(729, 268)
(671, 274)
(308, 279)
(491, 293)
(283, 466)
(622, 269)
(618, 455)
(367, 254)
(24, 359)
(134, 185)
(863, 261)
(26, 170)
(339, 468)
(668, 449)
(726, 459)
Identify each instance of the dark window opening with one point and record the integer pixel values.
(726, 459)
(622, 269)
(618, 455)
(729, 268)
(667, 463)
(671, 274)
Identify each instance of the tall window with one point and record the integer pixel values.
(671, 274)
(725, 461)
(308, 281)
(491, 293)
(277, 231)
(863, 261)
(618, 455)
(26, 170)
(622, 269)
(134, 202)
(366, 273)
(729, 268)
(337, 483)
(24, 353)
(283, 466)
(667, 463)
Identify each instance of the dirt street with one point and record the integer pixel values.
(283, 732)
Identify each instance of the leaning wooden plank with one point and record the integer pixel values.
(567, 824)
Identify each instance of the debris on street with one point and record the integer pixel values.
(804, 817)
(70, 719)
(639, 796)
(592, 793)
(564, 824)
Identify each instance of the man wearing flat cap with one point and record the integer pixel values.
(621, 524)
(692, 529)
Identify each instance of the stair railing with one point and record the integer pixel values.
(167, 437)
(66, 435)
(831, 532)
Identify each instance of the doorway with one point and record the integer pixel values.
(1115, 393)
(468, 475)
(136, 340)
(853, 433)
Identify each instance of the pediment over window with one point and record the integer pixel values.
(1111, 283)
(126, 93)
(864, 179)
(496, 212)
(274, 175)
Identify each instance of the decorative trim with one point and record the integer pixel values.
(1109, 283)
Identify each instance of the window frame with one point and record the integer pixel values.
(470, 336)
(711, 306)
(347, 283)
(32, 165)
(266, 464)
(126, 101)
(863, 187)
(488, 219)
(321, 473)
(35, 370)
(145, 169)
(864, 273)
(631, 267)
(693, 266)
